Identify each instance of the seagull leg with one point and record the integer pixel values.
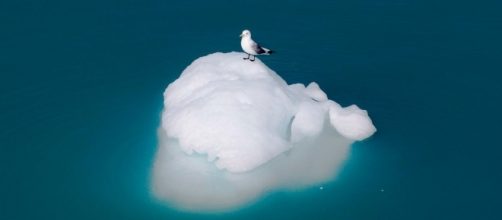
(254, 58)
(244, 58)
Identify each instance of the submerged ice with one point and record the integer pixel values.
(233, 130)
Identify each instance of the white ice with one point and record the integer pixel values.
(233, 130)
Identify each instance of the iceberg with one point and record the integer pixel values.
(233, 130)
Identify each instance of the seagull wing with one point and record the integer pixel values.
(256, 47)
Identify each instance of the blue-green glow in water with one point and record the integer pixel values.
(81, 86)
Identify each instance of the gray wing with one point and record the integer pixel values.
(258, 49)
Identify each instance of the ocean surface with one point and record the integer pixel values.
(81, 86)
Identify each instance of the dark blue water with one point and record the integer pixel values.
(81, 95)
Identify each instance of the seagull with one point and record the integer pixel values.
(251, 47)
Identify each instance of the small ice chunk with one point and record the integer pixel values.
(315, 92)
(351, 121)
(308, 120)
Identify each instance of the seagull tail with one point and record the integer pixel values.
(268, 51)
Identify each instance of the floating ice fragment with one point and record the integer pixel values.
(233, 130)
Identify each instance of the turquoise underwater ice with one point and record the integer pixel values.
(81, 86)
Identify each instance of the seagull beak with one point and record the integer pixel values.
(240, 35)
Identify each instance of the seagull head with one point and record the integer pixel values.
(245, 33)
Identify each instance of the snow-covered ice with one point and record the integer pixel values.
(234, 130)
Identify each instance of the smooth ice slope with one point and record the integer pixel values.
(227, 125)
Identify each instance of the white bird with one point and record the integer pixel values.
(251, 47)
